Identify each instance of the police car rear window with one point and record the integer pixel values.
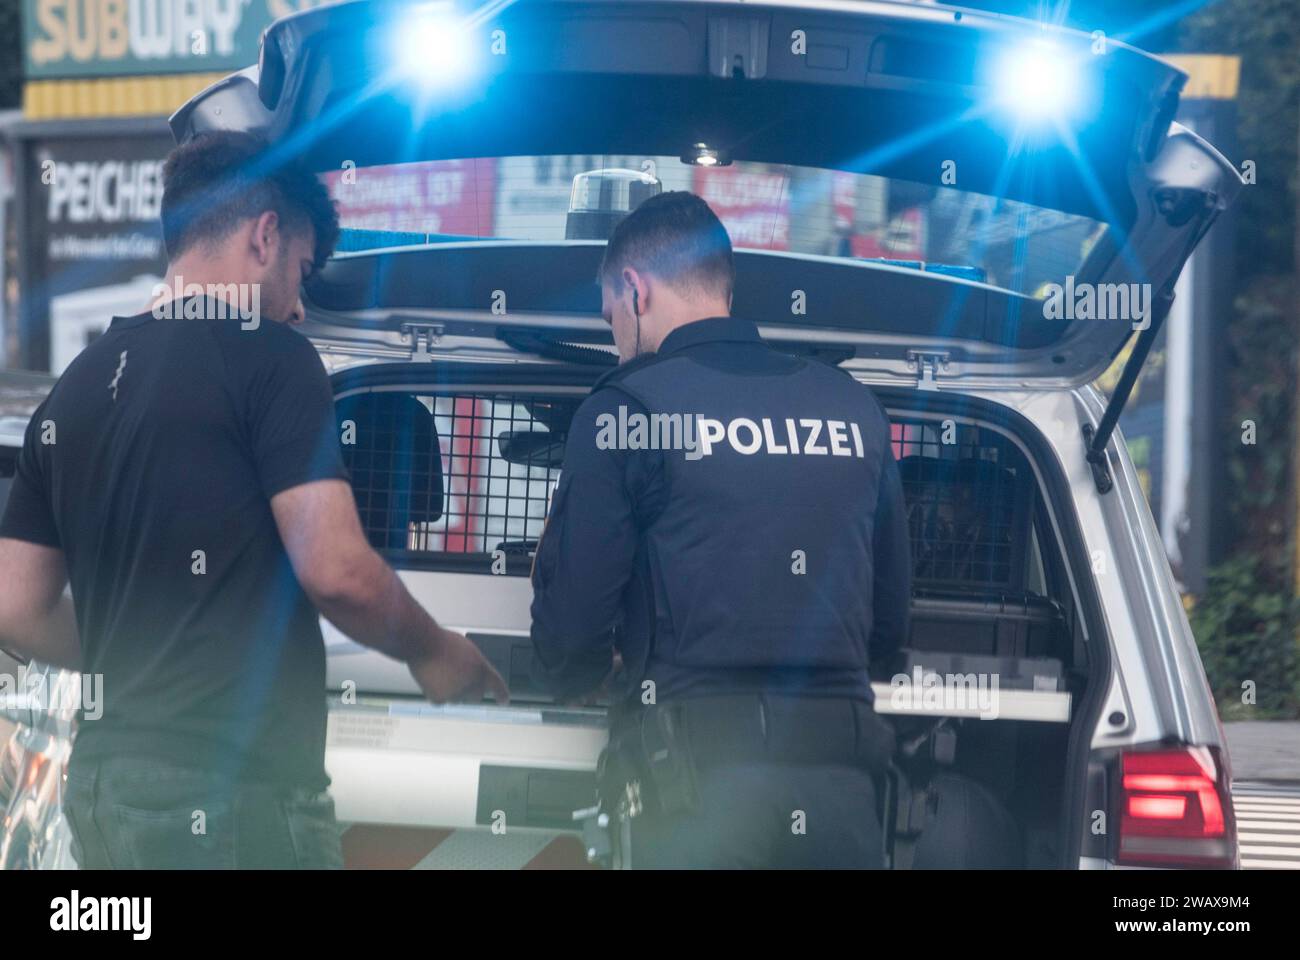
(764, 206)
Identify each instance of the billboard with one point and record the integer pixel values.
(751, 203)
(101, 38)
(449, 197)
(92, 239)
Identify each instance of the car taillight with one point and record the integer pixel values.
(1176, 809)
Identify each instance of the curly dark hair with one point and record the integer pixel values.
(219, 179)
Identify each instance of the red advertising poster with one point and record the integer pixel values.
(903, 239)
(455, 197)
(753, 206)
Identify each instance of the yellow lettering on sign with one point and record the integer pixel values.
(89, 30)
(112, 29)
(49, 19)
(81, 29)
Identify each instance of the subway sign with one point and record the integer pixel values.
(101, 38)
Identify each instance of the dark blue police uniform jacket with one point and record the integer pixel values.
(730, 519)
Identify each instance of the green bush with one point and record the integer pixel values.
(1245, 626)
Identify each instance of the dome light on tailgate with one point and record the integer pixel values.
(1175, 810)
(432, 47)
(1041, 83)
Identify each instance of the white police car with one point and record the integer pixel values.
(972, 214)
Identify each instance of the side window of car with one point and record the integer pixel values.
(969, 495)
(454, 473)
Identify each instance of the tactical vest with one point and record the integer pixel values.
(762, 555)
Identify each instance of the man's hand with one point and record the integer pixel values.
(456, 670)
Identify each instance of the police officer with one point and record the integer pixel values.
(729, 523)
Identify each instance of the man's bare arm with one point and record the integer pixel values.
(36, 618)
(358, 592)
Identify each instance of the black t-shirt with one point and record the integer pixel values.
(152, 464)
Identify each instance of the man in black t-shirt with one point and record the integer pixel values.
(184, 477)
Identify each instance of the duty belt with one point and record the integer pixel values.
(779, 728)
(656, 753)
(669, 744)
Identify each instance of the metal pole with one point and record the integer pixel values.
(1128, 377)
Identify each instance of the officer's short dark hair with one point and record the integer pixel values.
(219, 179)
(676, 237)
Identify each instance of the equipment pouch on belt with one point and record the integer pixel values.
(666, 752)
(653, 760)
(648, 765)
